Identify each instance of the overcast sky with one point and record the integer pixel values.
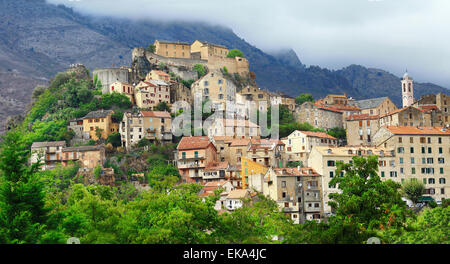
(388, 34)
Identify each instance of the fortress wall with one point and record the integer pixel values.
(109, 75)
(234, 65)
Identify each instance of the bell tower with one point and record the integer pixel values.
(407, 90)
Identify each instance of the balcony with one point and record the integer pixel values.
(184, 165)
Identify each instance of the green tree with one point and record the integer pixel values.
(22, 200)
(151, 48)
(304, 97)
(200, 69)
(365, 204)
(77, 92)
(115, 100)
(235, 53)
(338, 133)
(413, 190)
(97, 83)
(430, 227)
(114, 139)
(163, 106)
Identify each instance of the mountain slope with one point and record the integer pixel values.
(37, 40)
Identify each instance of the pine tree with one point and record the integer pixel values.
(22, 205)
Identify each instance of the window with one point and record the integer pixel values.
(283, 184)
(440, 150)
(411, 140)
(441, 180)
(382, 174)
(412, 161)
(429, 150)
(413, 170)
(431, 181)
(400, 140)
(331, 163)
(400, 150)
(411, 150)
(401, 160)
(331, 174)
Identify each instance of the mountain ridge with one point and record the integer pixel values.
(38, 39)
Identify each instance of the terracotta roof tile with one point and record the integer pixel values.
(187, 143)
(318, 134)
(362, 117)
(161, 114)
(213, 166)
(411, 130)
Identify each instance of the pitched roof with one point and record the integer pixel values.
(238, 194)
(161, 114)
(411, 130)
(318, 134)
(160, 72)
(265, 143)
(362, 117)
(226, 139)
(341, 107)
(404, 108)
(214, 166)
(98, 114)
(240, 142)
(188, 143)
(83, 148)
(48, 144)
(429, 108)
(370, 103)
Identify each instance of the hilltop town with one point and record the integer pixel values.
(117, 125)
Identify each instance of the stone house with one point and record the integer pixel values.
(260, 98)
(376, 106)
(152, 125)
(441, 102)
(234, 199)
(123, 88)
(76, 126)
(407, 116)
(297, 191)
(193, 155)
(214, 86)
(49, 153)
(89, 157)
(237, 128)
(150, 93)
(361, 128)
(157, 75)
(319, 116)
(298, 144)
(101, 119)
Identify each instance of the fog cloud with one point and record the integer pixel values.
(388, 34)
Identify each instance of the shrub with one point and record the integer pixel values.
(235, 53)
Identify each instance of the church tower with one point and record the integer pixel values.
(407, 90)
